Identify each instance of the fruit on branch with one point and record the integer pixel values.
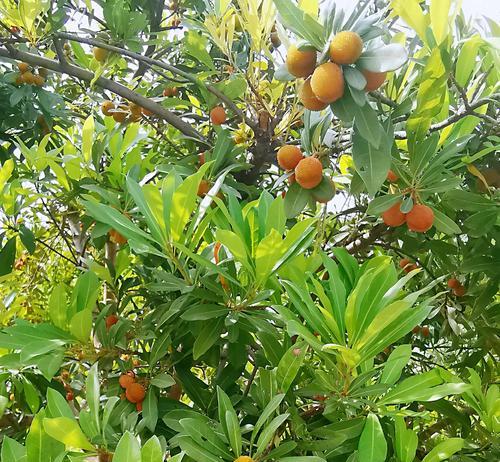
(111, 320)
(100, 54)
(218, 115)
(203, 188)
(327, 82)
(23, 67)
(392, 177)
(308, 99)
(460, 291)
(70, 396)
(309, 172)
(116, 237)
(425, 331)
(374, 80)
(107, 107)
(300, 63)
(346, 47)
(135, 393)
(38, 80)
(289, 156)
(453, 283)
(28, 77)
(127, 379)
(393, 216)
(416, 329)
(420, 218)
(170, 91)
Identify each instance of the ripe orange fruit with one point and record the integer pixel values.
(309, 172)
(107, 107)
(170, 91)
(111, 320)
(404, 262)
(218, 115)
(346, 47)
(392, 177)
(327, 82)
(38, 80)
(28, 77)
(374, 80)
(453, 283)
(126, 380)
(309, 99)
(425, 331)
(100, 54)
(300, 63)
(135, 393)
(420, 218)
(393, 216)
(121, 115)
(289, 156)
(116, 237)
(201, 158)
(203, 188)
(23, 67)
(135, 109)
(243, 459)
(460, 291)
(410, 268)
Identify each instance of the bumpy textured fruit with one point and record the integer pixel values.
(28, 77)
(218, 115)
(107, 107)
(289, 156)
(309, 99)
(100, 54)
(135, 109)
(111, 320)
(327, 82)
(309, 172)
(126, 380)
(300, 63)
(346, 47)
(243, 459)
(135, 393)
(420, 218)
(374, 80)
(392, 177)
(453, 283)
(116, 237)
(460, 291)
(425, 331)
(393, 216)
(404, 262)
(23, 67)
(38, 80)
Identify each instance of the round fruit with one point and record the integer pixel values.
(201, 158)
(327, 82)
(23, 67)
(100, 54)
(404, 263)
(107, 107)
(300, 63)
(374, 80)
(175, 392)
(460, 291)
(126, 380)
(218, 115)
(120, 116)
(393, 216)
(203, 188)
(392, 177)
(289, 156)
(28, 77)
(410, 268)
(346, 47)
(425, 331)
(135, 109)
(116, 237)
(309, 172)
(135, 393)
(416, 329)
(309, 99)
(38, 80)
(111, 320)
(420, 218)
(453, 283)
(70, 396)
(243, 459)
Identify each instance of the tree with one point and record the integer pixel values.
(248, 231)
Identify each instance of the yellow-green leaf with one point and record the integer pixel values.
(68, 432)
(439, 19)
(88, 138)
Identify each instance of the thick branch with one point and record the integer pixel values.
(124, 92)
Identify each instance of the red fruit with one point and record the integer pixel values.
(135, 393)
(201, 158)
(392, 177)
(404, 262)
(425, 331)
(218, 115)
(126, 380)
(393, 216)
(420, 218)
(203, 188)
(111, 320)
(289, 156)
(70, 396)
(460, 291)
(454, 283)
(410, 268)
(416, 330)
(175, 392)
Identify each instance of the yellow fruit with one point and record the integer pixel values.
(243, 459)
(374, 80)
(107, 107)
(121, 115)
(308, 98)
(28, 77)
(309, 172)
(300, 63)
(289, 156)
(100, 54)
(38, 80)
(327, 82)
(346, 47)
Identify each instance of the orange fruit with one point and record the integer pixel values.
(100, 54)
(309, 99)
(126, 380)
(147, 112)
(327, 82)
(243, 459)
(203, 188)
(404, 262)
(28, 77)
(425, 331)
(420, 218)
(38, 80)
(135, 393)
(135, 109)
(218, 115)
(107, 107)
(309, 172)
(116, 237)
(346, 47)
(453, 283)
(138, 406)
(111, 320)
(300, 63)
(392, 177)
(393, 216)
(460, 291)
(23, 67)
(201, 158)
(70, 396)
(289, 156)
(416, 330)
(121, 115)
(374, 80)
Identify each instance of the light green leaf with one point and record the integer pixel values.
(289, 366)
(372, 446)
(444, 450)
(58, 306)
(93, 394)
(88, 138)
(151, 451)
(439, 11)
(395, 364)
(128, 449)
(150, 409)
(68, 432)
(81, 325)
(57, 406)
(12, 451)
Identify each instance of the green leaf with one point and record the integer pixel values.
(268, 433)
(464, 200)
(204, 311)
(8, 256)
(395, 364)
(382, 203)
(40, 447)
(439, 11)
(150, 409)
(152, 451)
(289, 366)
(466, 60)
(367, 125)
(27, 238)
(5, 172)
(88, 138)
(3, 404)
(68, 432)
(57, 406)
(81, 325)
(128, 449)
(406, 441)
(235, 245)
(444, 450)
(296, 199)
(207, 337)
(12, 451)
(383, 59)
(233, 432)
(58, 306)
(372, 446)
(267, 413)
(93, 394)
(194, 450)
(163, 380)
(445, 224)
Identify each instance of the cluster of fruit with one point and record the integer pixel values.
(424, 331)
(27, 75)
(134, 392)
(325, 84)
(406, 265)
(308, 171)
(456, 286)
(419, 219)
(121, 113)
